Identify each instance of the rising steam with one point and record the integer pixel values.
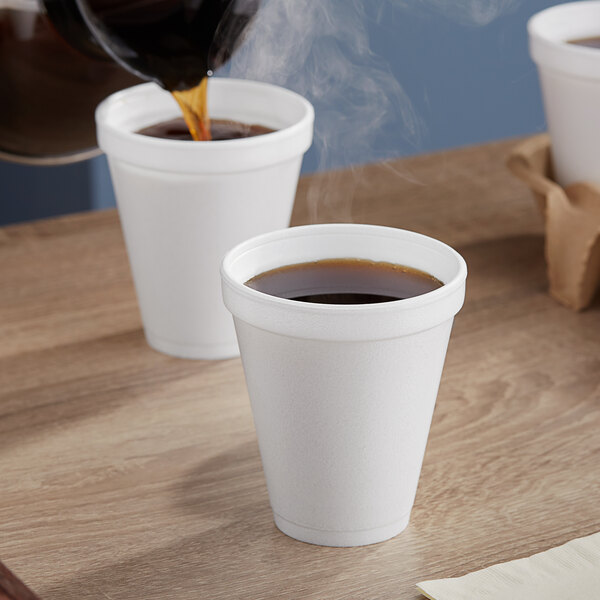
(321, 49)
(466, 12)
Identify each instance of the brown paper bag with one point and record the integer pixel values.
(572, 217)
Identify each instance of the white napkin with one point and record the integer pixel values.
(568, 572)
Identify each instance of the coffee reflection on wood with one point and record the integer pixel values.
(12, 588)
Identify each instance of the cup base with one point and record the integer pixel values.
(197, 352)
(340, 539)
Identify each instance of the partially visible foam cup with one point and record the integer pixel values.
(342, 395)
(183, 204)
(570, 81)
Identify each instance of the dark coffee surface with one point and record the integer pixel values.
(590, 42)
(344, 281)
(172, 42)
(221, 129)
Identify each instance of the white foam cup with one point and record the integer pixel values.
(183, 204)
(342, 395)
(570, 81)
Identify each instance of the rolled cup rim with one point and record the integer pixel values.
(209, 156)
(452, 291)
(556, 53)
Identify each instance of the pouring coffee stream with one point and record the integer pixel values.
(176, 43)
(194, 106)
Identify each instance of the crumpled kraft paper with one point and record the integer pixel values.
(572, 217)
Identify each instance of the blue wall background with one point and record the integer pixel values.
(469, 81)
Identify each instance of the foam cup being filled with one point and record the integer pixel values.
(183, 204)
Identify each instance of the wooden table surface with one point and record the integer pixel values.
(127, 474)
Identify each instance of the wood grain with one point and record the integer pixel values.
(128, 474)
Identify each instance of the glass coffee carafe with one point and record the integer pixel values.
(54, 70)
(53, 74)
